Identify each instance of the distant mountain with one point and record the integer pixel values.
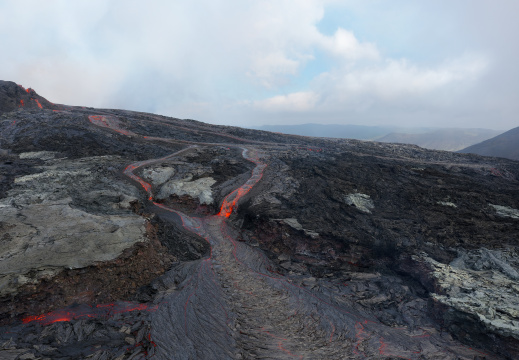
(505, 145)
(429, 138)
(359, 132)
(442, 139)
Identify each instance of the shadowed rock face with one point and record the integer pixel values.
(131, 235)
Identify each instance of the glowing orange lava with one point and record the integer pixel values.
(86, 311)
(38, 103)
(231, 201)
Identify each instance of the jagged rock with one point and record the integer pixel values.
(159, 175)
(200, 189)
(482, 283)
(293, 223)
(280, 186)
(362, 202)
(505, 211)
(43, 155)
(54, 233)
(447, 203)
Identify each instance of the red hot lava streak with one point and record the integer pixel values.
(230, 202)
(86, 311)
(37, 103)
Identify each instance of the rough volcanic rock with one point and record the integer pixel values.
(13, 96)
(505, 211)
(159, 175)
(200, 189)
(70, 214)
(362, 202)
(338, 248)
(480, 285)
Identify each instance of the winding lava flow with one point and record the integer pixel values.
(232, 305)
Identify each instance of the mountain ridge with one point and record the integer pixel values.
(450, 139)
(505, 145)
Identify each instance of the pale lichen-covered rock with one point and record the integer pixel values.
(69, 215)
(159, 175)
(362, 202)
(505, 211)
(293, 223)
(482, 283)
(42, 155)
(200, 189)
(447, 203)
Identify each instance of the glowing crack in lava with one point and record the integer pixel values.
(37, 103)
(86, 311)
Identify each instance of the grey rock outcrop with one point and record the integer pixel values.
(483, 284)
(293, 223)
(505, 211)
(362, 202)
(159, 175)
(43, 230)
(200, 189)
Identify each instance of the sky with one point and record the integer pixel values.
(439, 63)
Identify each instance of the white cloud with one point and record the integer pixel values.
(344, 44)
(207, 56)
(271, 69)
(297, 102)
(391, 80)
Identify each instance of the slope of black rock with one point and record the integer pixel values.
(13, 96)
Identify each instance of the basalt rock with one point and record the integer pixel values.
(325, 248)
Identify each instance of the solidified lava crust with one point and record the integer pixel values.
(125, 278)
(255, 245)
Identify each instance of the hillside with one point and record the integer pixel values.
(128, 235)
(505, 145)
(443, 139)
(359, 132)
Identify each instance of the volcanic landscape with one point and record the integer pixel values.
(128, 235)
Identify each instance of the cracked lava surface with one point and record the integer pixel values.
(232, 305)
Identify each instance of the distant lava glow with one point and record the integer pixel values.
(109, 122)
(86, 311)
